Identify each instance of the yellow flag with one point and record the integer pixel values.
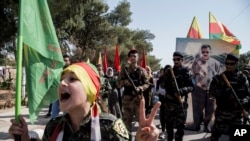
(100, 58)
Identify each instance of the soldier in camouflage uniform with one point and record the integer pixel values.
(228, 111)
(175, 116)
(77, 91)
(105, 91)
(131, 95)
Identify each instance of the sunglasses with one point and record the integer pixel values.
(176, 59)
(229, 64)
(203, 52)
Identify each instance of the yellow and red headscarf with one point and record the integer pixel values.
(89, 77)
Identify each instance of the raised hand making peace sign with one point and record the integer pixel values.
(147, 131)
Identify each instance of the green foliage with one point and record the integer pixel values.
(244, 60)
(8, 22)
(120, 16)
(88, 25)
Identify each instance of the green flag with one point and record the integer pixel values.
(42, 55)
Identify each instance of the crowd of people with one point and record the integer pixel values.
(220, 92)
(127, 96)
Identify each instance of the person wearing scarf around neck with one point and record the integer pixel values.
(113, 98)
(79, 86)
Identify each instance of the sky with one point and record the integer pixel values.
(171, 19)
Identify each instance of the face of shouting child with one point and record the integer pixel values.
(71, 93)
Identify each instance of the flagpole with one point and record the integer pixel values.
(19, 69)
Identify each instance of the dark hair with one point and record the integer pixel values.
(206, 46)
(176, 53)
(132, 51)
(166, 68)
(65, 56)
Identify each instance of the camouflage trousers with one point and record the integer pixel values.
(130, 106)
(113, 103)
(222, 122)
(175, 117)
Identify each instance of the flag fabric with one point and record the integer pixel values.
(143, 60)
(88, 60)
(42, 55)
(105, 61)
(195, 30)
(219, 31)
(99, 58)
(117, 59)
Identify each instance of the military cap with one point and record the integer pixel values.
(233, 57)
(176, 53)
(133, 50)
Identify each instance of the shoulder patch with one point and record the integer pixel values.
(120, 128)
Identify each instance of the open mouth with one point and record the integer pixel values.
(64, 96)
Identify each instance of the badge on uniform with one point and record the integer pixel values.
(121, 129)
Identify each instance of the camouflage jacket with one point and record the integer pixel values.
(113, 81)
(112, 129)
(223, 94)
(184, 82)
(139, 77)
(106, 88)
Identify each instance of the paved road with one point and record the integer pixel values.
(37, 128)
